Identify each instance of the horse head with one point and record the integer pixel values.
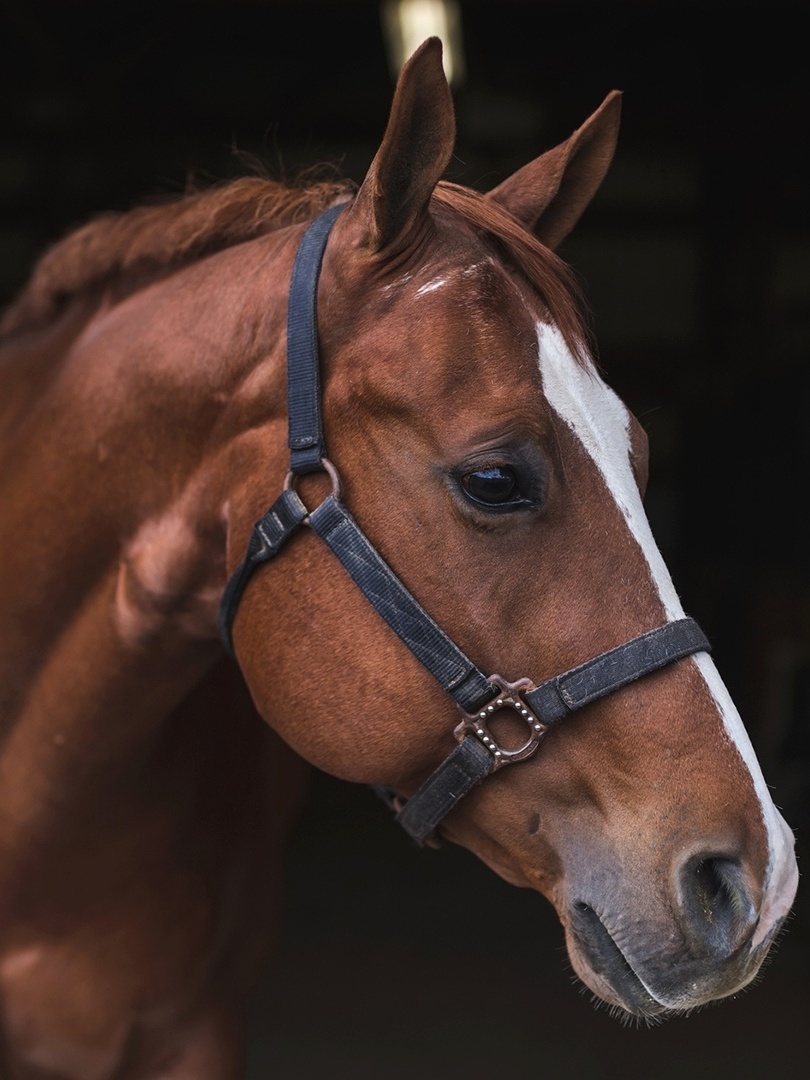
(490, 466)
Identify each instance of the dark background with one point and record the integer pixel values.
(401, 962)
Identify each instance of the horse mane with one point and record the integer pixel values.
(120, 252)
(123, 251)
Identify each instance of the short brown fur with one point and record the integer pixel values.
(144, 804)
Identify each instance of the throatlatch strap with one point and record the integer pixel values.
(269, 535)
(555, 698)
(404, 614)
(305, 436)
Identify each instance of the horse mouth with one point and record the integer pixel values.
(609, 965)
(605, 969)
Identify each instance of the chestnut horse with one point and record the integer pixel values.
(479, 511)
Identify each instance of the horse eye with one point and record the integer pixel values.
(494, 486)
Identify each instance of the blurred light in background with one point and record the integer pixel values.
(406, 24)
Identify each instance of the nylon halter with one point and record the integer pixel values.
(479, 697)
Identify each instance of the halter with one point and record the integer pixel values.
(478, 696)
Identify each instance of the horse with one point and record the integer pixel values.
(325, 476)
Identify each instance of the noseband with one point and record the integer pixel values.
(478, 696)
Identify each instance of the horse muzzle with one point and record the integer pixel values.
(704, 946)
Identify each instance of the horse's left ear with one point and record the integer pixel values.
(416, 149)
(550, 193)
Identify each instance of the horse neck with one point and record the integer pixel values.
(113, 544)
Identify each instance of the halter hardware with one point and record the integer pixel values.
(478, 697)
(478, 723)
(325, 466)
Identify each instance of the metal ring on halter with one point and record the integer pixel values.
(331, 472)
(508, 698)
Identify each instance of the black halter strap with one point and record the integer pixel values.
(479, 697)
(305, 423)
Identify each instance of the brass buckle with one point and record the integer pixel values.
(508, 697)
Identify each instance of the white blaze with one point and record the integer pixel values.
(599, 419)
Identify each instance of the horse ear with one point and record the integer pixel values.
(416, 149)
(550, 194)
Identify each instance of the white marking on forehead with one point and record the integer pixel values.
(600, 420)
(431, 285)
(392, 286)
(453, 275)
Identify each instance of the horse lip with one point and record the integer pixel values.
(607, 960)
(760, 948)
(610, 964)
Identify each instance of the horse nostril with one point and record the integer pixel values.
(717, 907)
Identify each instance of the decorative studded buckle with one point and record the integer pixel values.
(477, 723)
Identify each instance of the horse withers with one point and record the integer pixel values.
(339, 457)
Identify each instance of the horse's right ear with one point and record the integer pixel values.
(550, 193)
(416, 149)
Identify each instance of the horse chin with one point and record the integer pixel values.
(604, 969)
(609, 973)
